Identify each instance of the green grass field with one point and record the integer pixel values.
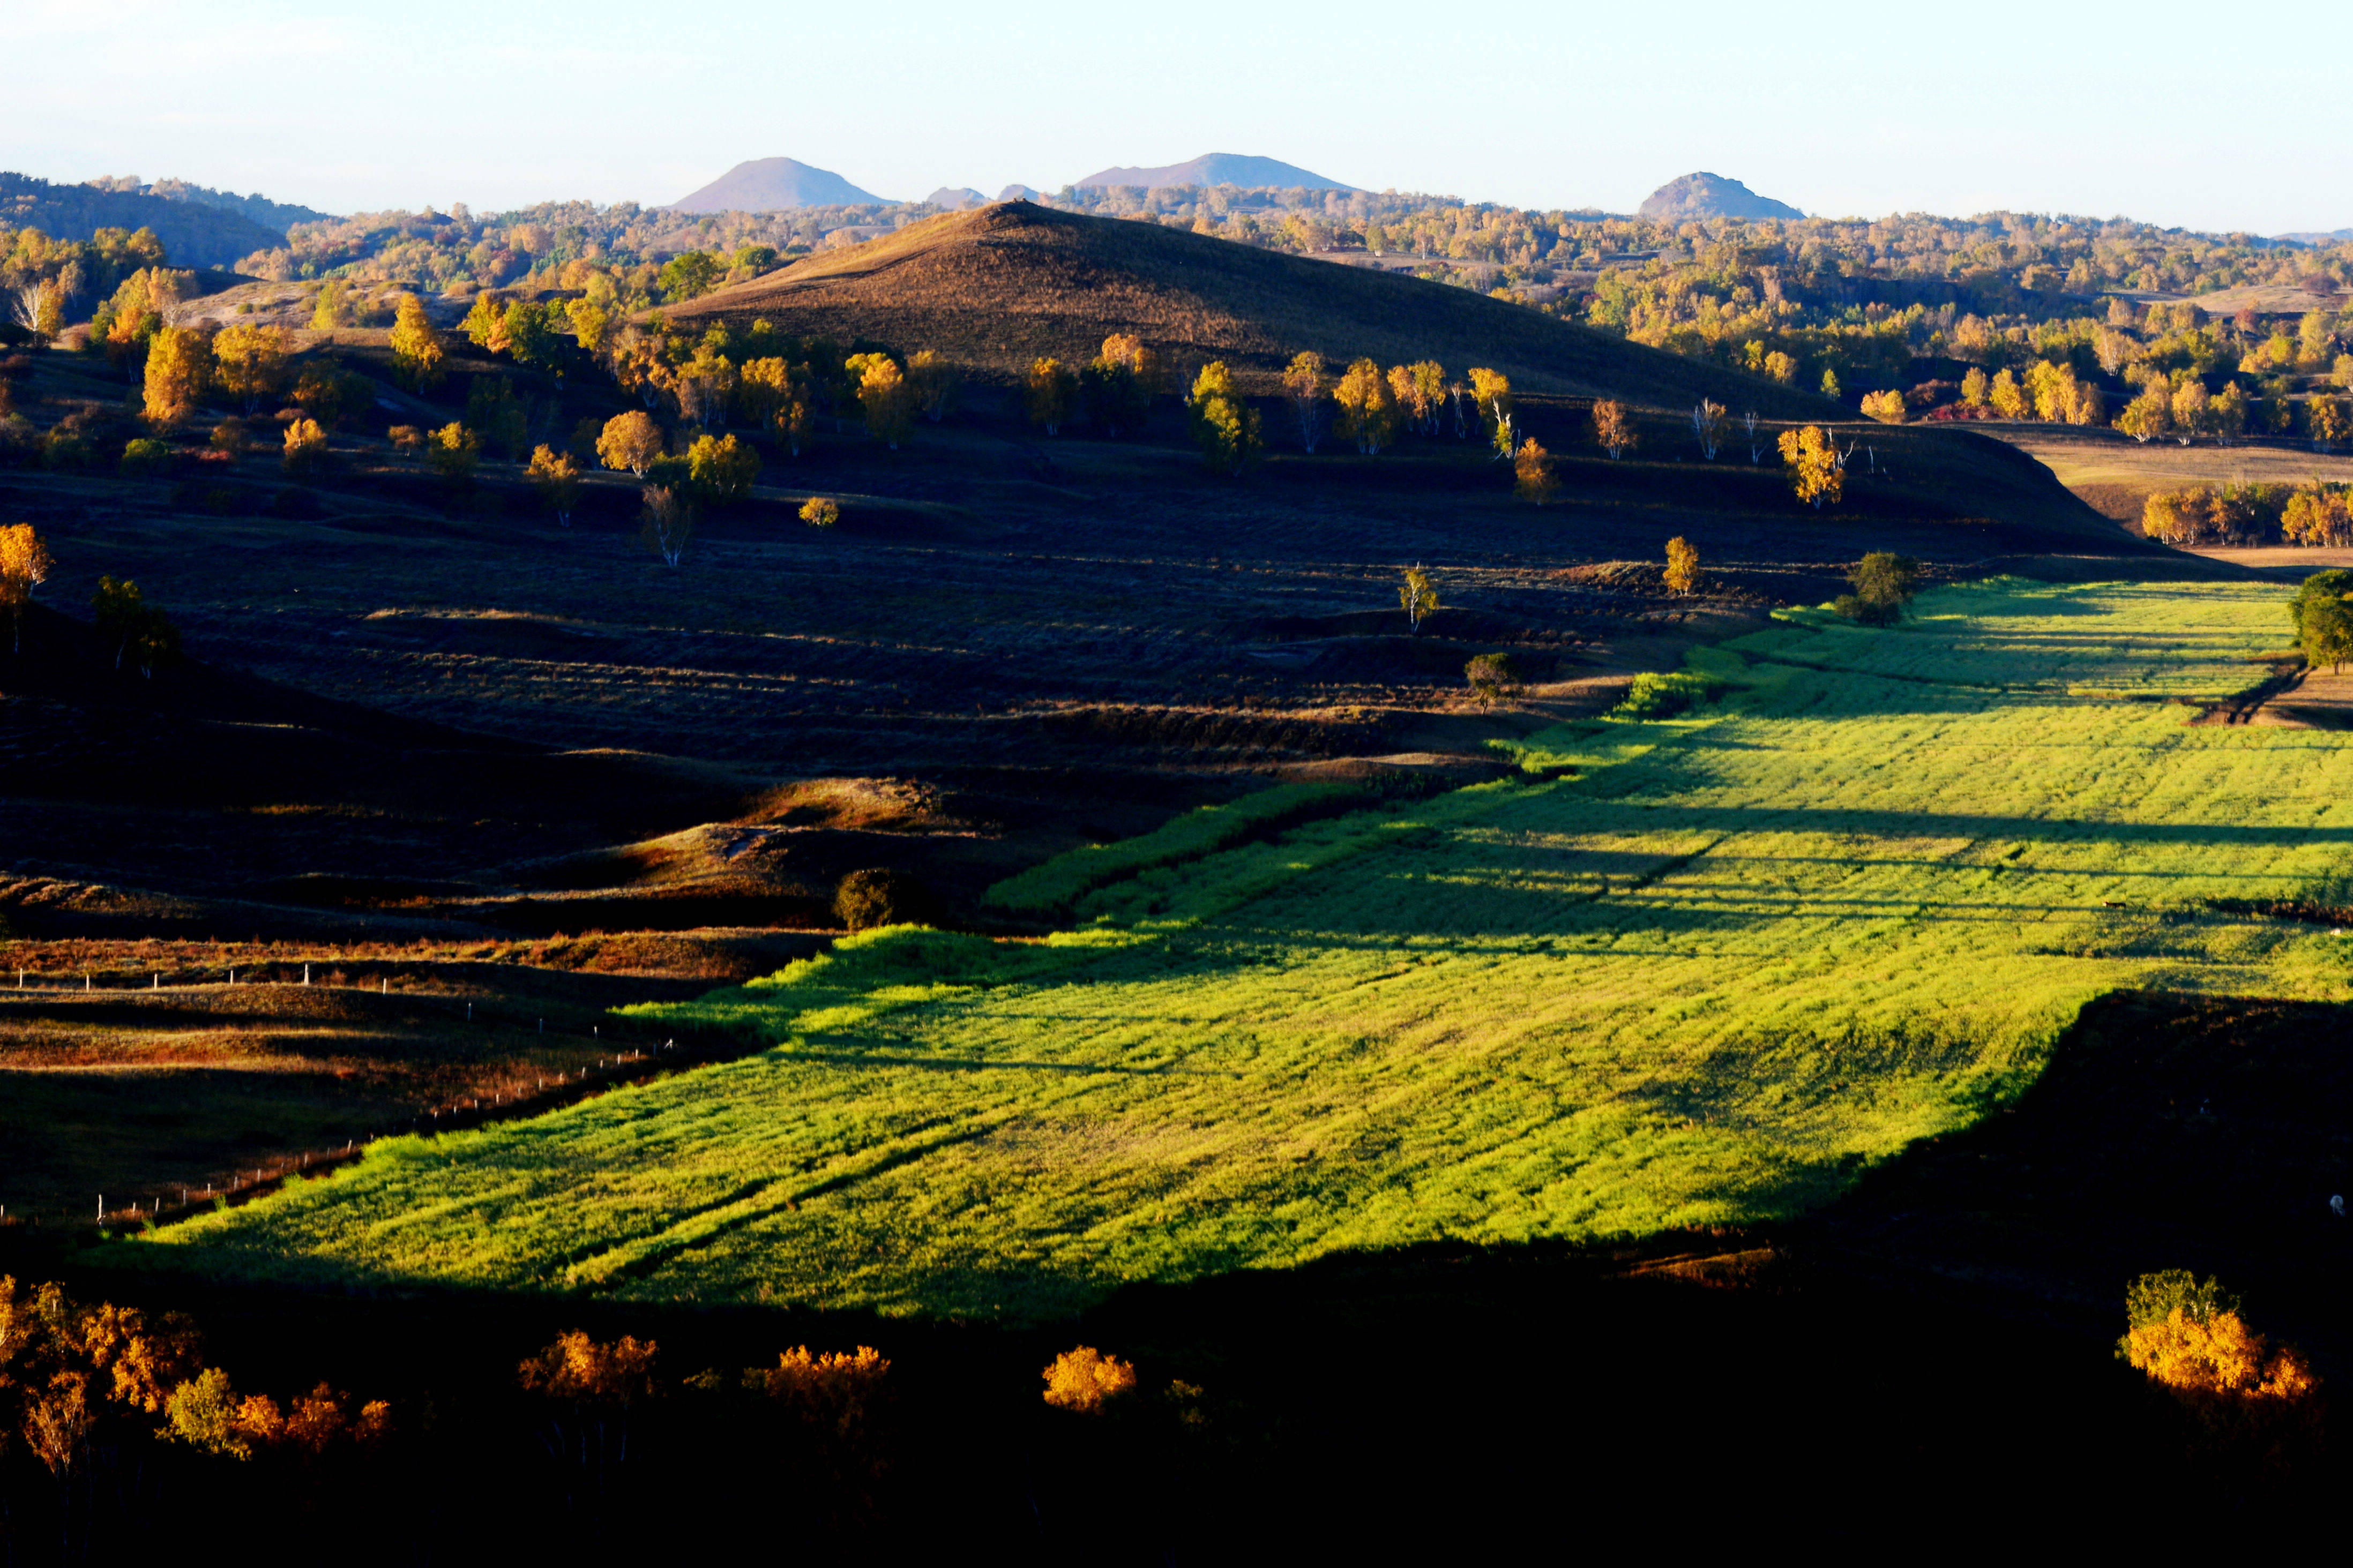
(1739, 954)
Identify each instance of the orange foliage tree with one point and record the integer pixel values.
(1084, 1379)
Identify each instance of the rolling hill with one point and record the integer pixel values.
(1221, 169)
(770, 184)
(998, 288)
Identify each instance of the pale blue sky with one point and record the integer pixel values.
(2177, 117)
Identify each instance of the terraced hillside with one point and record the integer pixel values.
(1688, 969)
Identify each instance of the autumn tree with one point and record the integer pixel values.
(1306, 384)
(1887, 407)
(532, 337)
(1975, 388)
(416, 347)
(305, 447)
(588, 1389)
(2316, 514)
(1491, 393)
(884, 393)
(2008, 398)
(1816, 469)
(1419, 392)
(666, 520)
(2187, 1335)
(590, 322)
(2191, 405)
(1083, 1380)
(932, 380)
(486, 324)
(722, 468)
(1116, 395)
(1682, 566)
(1532, 470)
(1491, 676)
(1368, 410)
(24, 565)
(776, 394)
(452, 451)
(1613, 432)
(1225, 426)
(179, 363)
(1707, 426)
(2326, 422)
(1052, 389)
(556, 477)
(1781, 368)
(333, 307)
(631, 442)
(1418, 596)
(819, 511)
(249, 364)
(2149, 415)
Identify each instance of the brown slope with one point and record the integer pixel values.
(997, 287)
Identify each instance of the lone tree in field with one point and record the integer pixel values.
(1884, 584)
(24, 565)
(1225, 426)
(416, 347)
(818, 511)
(630, 443)
(2322, 613)
(666, 523)
(453, 450)
(1418, 596)
(1613, 432)
(556, 477)
(1532, 475)
(305, 448)
(1707, 424)
(1682, 566)
(1050, 391)
(1304, 383)
(1491, 676)
(1817, 472)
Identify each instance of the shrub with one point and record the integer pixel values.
(453, 450)
(820, 513)
(1884, 584)
(1682, 566)
(879, 897)
(1659, 695)
(1887, 407)
(2187, 1335)
(66, 450)
(143, 456)
(1084, 1379)
(832, 1390)
(406, 439)
(231, 438)
(1492, 675)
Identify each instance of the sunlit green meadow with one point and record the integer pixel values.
(1677, 971)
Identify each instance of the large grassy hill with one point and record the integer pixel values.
(996, 288)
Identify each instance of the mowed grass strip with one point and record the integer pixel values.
(1767, 943)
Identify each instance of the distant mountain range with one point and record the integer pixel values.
(1704, 195)
(2317, 237)
(1221, 169)
(773, 185)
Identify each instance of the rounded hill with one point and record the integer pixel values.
(1000, 287)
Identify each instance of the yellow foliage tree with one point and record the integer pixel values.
(1306, 384)
(2187, 1336)
(416, 347)
(722, 468)
(1531, 473)
(24, 565)
(249, 364)
(884, 393)
(1816, 470)
(629, 442)
(2316, 514)
(590, 322)
(1974, 387)
(933, 381)
(1418, 597)
(1052, 387)
(1225, 426)
(1682, 566)
(179, 362)
(1887, 407)
(819, 511)
(1083, 1379)
(1369, 409)
(557, 476)
(306, 447)
(2009, 399)
(453, 450)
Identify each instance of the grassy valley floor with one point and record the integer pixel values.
(1685, 970)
